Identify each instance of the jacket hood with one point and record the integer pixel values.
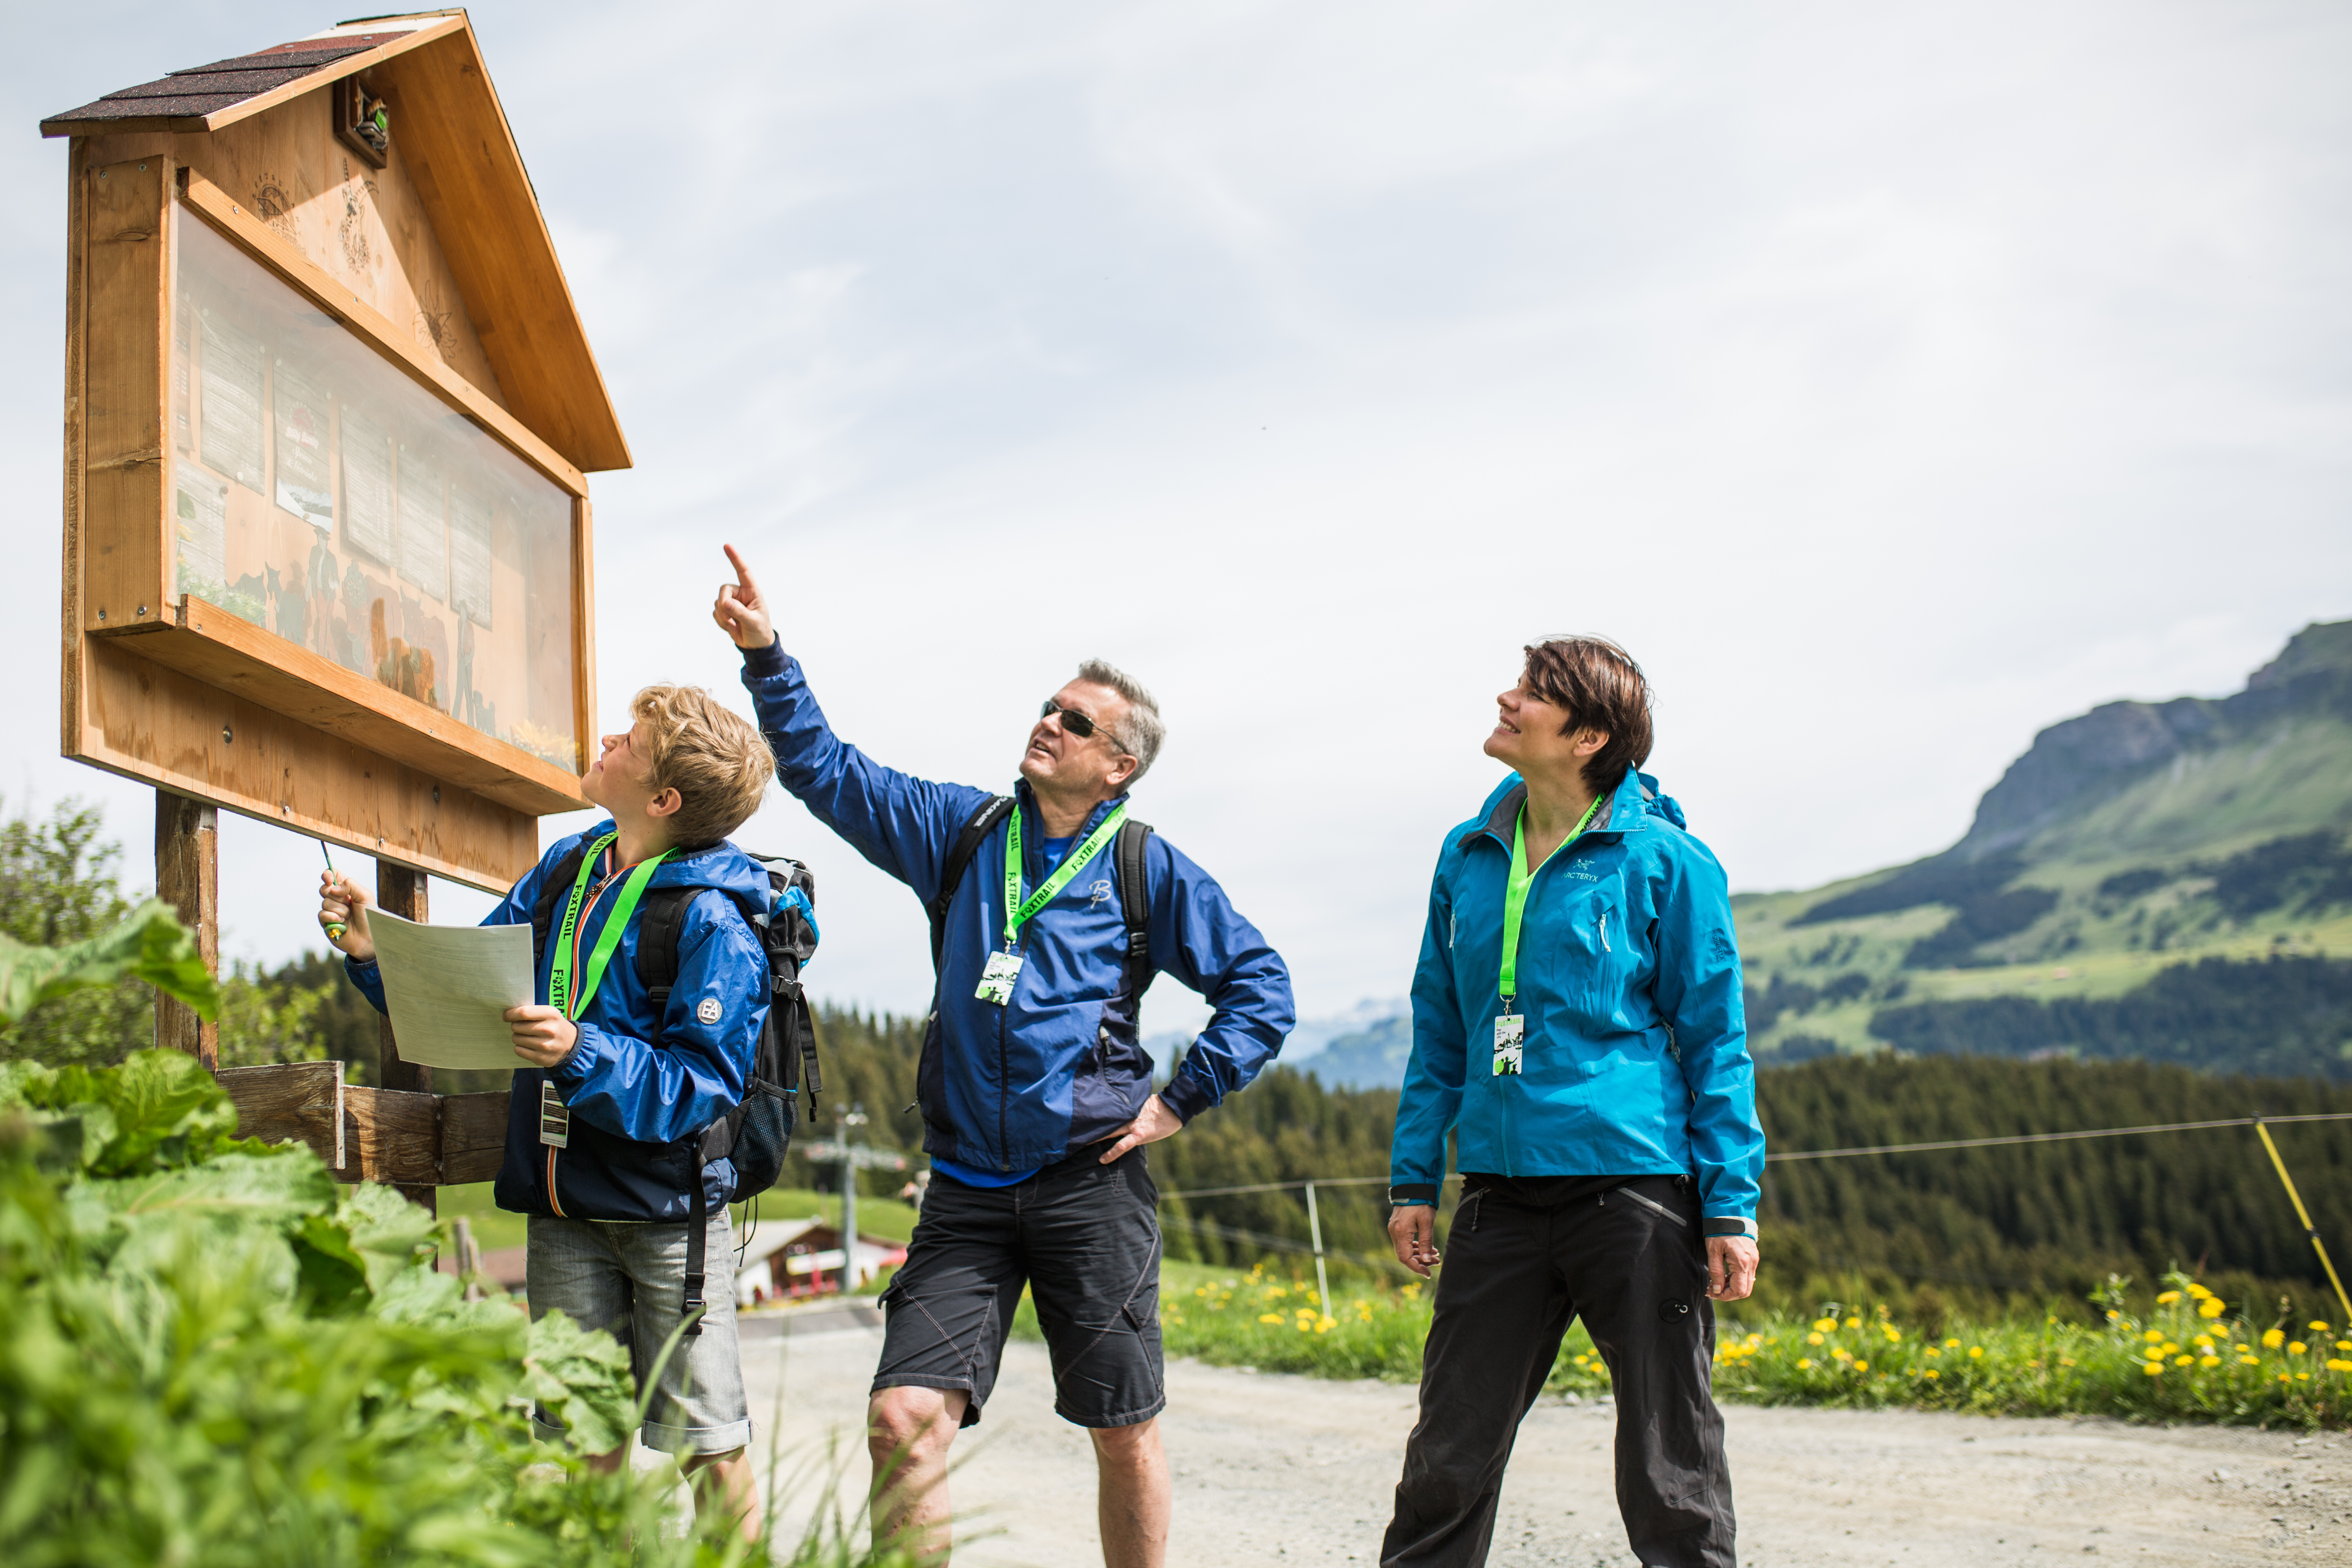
(1636, 800)
(721, 865)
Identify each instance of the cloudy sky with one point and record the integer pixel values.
(1894, 380)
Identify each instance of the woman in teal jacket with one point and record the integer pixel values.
(1578, 1027)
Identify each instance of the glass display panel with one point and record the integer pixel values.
(322, 495)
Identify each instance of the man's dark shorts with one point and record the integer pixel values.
(1085, 1237)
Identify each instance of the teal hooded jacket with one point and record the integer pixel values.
(1635, 1059)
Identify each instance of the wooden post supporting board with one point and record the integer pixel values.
(187, 878)
(402, 891)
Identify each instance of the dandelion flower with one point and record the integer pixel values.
(2303, 1377)
(2166, 1298)
(1862, 1367)
(2274, 1338)
(2207, 1360)
(2153, 1369)
(2296, 1347)
(1853, 1322)
(1951, 1344)
(2317, 1327)
(2250, 1361)
(2337, 1363)
(1975, 1352)
(2212, 1307)
(1822, 1326)
(1934, 1352)
(1934, 1376)
(1269, 1317)
(2154, 1336)
(2198, 1292)
(1804, 1363)
(1813, 1338)
(2184, 1359)
(2065, 1361)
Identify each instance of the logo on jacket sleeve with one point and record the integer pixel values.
(708, 1010)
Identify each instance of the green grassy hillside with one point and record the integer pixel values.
(2136, 838)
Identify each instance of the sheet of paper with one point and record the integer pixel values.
(448, 988)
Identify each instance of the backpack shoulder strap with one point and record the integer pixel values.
(967, 845)
(1135, 903)
(661, 920)
(554, 886)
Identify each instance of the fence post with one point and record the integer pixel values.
(1315, 1232)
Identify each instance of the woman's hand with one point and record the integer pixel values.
(344, 901)
(1412, 1231)
(542, 1036)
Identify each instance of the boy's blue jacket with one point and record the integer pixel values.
(1013, 1087)
(1636, 1052)
(641, 1088)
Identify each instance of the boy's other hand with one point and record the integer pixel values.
(740, 609)
(542, 1036)
(341, 900)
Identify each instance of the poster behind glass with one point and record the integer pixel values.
(322, 495)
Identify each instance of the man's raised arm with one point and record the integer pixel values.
(902, 824)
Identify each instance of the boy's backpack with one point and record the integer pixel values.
(756, 1133)
(1134, 893)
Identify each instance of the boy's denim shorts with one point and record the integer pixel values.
(628, 1279)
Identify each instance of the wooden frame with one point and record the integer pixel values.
(366, 1134)
(167, 689)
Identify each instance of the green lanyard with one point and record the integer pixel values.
(1017, 910)
(559, 973)
(1514, 896)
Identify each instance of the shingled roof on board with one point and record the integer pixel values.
(204, 90)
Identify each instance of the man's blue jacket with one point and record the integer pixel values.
(641, 1088)
(1636, 1052)
(1013, 1087)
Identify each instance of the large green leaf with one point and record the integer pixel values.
(151, 945)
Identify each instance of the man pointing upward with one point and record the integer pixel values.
(1034, 1091)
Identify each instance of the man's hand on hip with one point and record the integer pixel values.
(740, 609)
(1412, 1231)
(1731, 1263)
(1156, 1121)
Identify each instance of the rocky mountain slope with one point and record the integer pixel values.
(2134, 839)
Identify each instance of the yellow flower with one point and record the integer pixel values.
(1853, 1322)
(1841, 1353)
(1975, 1352)
(2155, 1336)
(1584, 1361)
(2337, 1363)
(1804, 1363)
(1951, 1344)
(1934, 1376)
(2303, 1377)
(2065, 1361)
(2113, 1314)
(1269, 1317)
(2212, 1307)
(2317, 1327)
(2274, 1338)
(2166, 1298)
(1934, 1352)
(2296, 1347)
(2198, 1292)
(2183, 1359)
(2250, 1361)
(1813, 1338)
(2153, 1368)
(1822, 1326)
(1862, 1367)
(2167, 1347)
(2209, 1360)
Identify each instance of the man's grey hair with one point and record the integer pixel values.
(1140, 733)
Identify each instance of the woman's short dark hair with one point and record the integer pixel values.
(1598, 687)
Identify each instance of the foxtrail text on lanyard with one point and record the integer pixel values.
(1003, 969)
(1511, 1029)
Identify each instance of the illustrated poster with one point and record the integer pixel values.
(367, 486)
(231, 368)
(305, 487)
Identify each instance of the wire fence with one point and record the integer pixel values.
(1313, 1246)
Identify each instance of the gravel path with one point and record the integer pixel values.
(1274, 1469)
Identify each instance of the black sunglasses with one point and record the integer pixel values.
(1076, 722)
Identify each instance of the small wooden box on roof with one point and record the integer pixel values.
(328, 412)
